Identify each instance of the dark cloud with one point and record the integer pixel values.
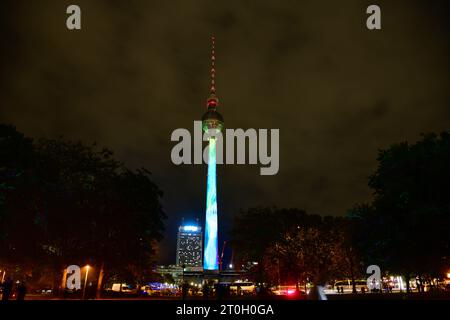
(139, 69)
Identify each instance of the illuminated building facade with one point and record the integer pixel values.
(189, 246)
(212, 121)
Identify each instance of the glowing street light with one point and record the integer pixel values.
(85, 280)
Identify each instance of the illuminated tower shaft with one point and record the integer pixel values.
(210, 261)
(212, 121)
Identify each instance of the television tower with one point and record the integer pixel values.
(211, 120)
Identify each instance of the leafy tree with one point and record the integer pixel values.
(76, 205)
(305, 254)
(19, 228)
(291, 246)
(407, 224)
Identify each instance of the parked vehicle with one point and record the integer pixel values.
(346, 286)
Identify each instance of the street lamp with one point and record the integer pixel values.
(183, 285)
(85, 281)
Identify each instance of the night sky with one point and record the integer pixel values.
(140, 69)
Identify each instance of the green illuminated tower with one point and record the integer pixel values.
(211, 120)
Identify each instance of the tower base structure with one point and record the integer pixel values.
(213, 284)
(211, 274)
(228, 276)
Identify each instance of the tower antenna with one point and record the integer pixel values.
(213, 65)
(213, 101)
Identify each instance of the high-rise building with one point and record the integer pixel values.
(189, 246)
(212, 121)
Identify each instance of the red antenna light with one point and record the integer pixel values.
(213, 65)
(213, 101)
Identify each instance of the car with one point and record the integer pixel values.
(346, 286)
(44, 291)
(290, 292)
(122, 288)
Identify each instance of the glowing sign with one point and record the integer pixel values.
(190, 228)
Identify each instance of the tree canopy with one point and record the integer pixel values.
(65, 202)
(292, 247)
(405, 228)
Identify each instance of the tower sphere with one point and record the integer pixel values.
(212, 119)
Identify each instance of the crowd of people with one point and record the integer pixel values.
(10, 290)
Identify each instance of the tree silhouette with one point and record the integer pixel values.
(69, 203)
(292, 246)
(405, 229)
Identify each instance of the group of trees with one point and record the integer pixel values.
(289, 246)
(404, 230)
(64, 202)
